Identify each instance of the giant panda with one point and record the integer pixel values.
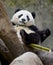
(24, 24)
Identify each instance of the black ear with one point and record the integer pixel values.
(33, 14)
(17, 10)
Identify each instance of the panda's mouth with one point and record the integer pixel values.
(22, 22)
(22, 25)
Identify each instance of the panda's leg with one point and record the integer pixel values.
(44, 34)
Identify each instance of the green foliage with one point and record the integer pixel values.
(49, 2)
(12, 3)
(9, 3)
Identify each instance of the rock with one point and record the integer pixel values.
(27, 58)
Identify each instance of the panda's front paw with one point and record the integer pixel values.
(23, 33)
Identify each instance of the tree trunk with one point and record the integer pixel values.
(10, 38)
(4, 52)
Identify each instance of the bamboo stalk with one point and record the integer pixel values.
(39, 47)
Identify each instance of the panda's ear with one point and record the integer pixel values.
(33, 14)
(17, 10)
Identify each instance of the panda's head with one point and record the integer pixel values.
(23, 17)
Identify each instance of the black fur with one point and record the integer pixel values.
(34, 37)
(17, 10)
(30, 38)
(28, 18)
(20, 15)
(33, 14)
(43, 34)
(13, 24)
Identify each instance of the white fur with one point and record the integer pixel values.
(17, 20)
(17, 29)
(25, 13)
(27, 58)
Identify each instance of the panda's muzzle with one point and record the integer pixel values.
(23, 21)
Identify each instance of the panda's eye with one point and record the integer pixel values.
(28, 18)
(20, 15)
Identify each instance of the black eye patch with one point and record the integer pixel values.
(20, 15)
(28, 18)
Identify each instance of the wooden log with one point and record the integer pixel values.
(10, 38)
(4, 52)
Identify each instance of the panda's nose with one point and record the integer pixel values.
(23, 20)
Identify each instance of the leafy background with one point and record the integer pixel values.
(43, 10)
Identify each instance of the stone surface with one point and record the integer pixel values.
(27, 58)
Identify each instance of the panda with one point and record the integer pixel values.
(23, 22)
